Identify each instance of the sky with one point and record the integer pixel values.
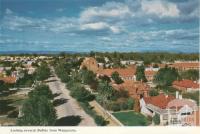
(99, 25)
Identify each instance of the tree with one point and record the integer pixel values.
(190, 74)
(156, 119)
(130, 103)
(115, 76)
(42, 72)
(37, 111)
(153, 92)
(166, 76)
(87, 76)
(8, 72)
(140, 76)
(41, 90)
(105, 78)
(106, 93)
(81, 94)
(3, 86)
(99, 120)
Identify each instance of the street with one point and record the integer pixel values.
(69, 106)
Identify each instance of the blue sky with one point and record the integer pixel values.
(99, 25)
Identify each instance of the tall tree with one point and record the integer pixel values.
(166, 76)
(43, 72)
(140, 75)
(37, 111)
(115, 76)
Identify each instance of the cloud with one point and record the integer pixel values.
(100, 26)
(8, 11)
(161, 9)
(60, 9)
(108, 10)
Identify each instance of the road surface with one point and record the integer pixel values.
(71, 106)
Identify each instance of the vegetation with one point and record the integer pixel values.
(42, 72)
(41, 90)
(140, 76)
(131, 118)
(81, 94)
(166, 76)
(38, 109)
(153, 92)
(115, 76)
(26, 81)
(190, 74)
(3, 86)
(156, 119)
(193, 96)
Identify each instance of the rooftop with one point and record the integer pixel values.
(186, 84)
(160, 101)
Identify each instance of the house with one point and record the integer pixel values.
(9, 79)
(193, 119)
(181, 111)
(150, 73)
(125, 73)
(149, 106)
(186, 85)
(183, 66)
(90, 63)
(135, 88)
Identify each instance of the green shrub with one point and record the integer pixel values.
(115, 107)
(156, 119)
(130, 103)
(123, 106)
(99, 120)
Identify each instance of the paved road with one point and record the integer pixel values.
(71, 106)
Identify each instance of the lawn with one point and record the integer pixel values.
(132, 118)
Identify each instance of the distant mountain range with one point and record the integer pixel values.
(72, 52)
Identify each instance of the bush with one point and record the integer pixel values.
(153, 92)
(130, 103)
(115, 107)
(115, 76)
(123, 106)
(99, 120)
(41, 90)
(156, 119)
(82, 94)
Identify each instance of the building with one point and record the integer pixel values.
(135, 88)
(90, 63)
(186, 85)
(183, 66)
(192, 120)
(149, 74)
(182, 112)
(125, 73)
(149, 106)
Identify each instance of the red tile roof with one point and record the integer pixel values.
(9, 79)
(123, 72)
(186, 84)
(160, 101)
(134, 88)
(186, 64)
(150, 72)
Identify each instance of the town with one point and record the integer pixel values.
(100, 89)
